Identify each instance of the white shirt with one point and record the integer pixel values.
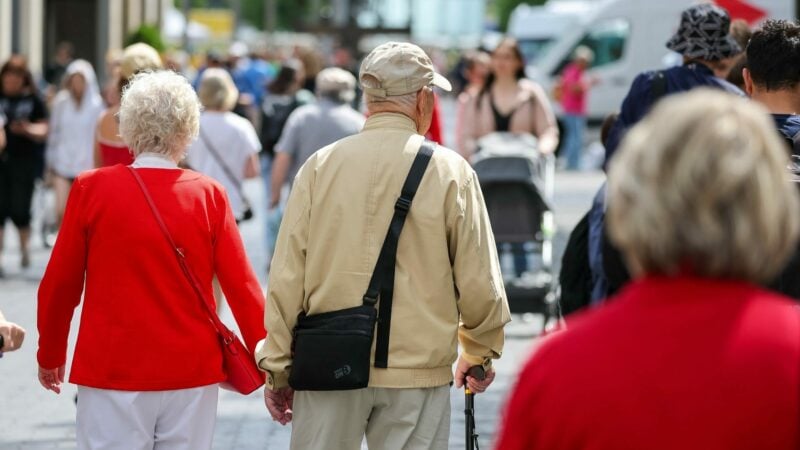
(70, 140)
(234, 140)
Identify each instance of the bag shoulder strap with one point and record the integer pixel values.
(226, 334)
(381, 285)
(221, 163)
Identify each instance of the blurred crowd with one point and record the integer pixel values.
(65, 122)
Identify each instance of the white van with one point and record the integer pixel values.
(537, 27)
(628, 37)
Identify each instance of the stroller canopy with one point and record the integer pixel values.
(509, 158)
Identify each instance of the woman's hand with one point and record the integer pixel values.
(51, 379)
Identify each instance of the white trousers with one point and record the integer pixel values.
(182, 419)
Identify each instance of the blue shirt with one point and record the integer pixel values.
(251, 76)
(788, 124)
(639, 99)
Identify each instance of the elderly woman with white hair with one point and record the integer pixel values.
(692, 354)
(228, 145)
(148, 360)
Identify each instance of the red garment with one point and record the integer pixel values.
(435, 131)
(142, 326)
(681, 363)
(113, 153)
(574, 90)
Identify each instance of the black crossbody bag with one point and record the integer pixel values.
(331, 351)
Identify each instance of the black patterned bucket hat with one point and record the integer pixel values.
(704, 33)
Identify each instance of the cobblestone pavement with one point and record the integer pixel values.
(31, 418)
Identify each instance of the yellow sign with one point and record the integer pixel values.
(219, 22)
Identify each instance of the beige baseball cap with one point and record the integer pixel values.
(400, 68)
(137, 58)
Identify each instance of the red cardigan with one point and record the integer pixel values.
(142, 326)
(670, 364)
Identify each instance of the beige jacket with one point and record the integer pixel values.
(448, 287)
(533, 114)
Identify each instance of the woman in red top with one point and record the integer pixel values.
(109, 149)
(147, 360)
(691, 355)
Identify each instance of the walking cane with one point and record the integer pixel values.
(478, 373)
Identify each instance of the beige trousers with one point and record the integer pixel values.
(391, 419)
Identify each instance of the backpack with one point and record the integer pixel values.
(275, 111)
(575, 277)
(614, 274)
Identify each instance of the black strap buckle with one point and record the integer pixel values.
(370, 300)
(403, 204)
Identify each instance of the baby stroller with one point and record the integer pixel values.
(518, 183)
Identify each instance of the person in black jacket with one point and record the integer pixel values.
(771, 78)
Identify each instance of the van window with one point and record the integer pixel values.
(607, 40)
(534, 48)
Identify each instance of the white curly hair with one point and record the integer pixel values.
(159, 113)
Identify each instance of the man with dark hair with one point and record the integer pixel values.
(772, 78)
(772, 73)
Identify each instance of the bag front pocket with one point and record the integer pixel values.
(330, 360)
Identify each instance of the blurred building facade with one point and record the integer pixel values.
(36, 27)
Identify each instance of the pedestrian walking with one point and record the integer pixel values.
(508, 102)
(770, 80)
(110, 149)
(741, 32)
(228, 145)
(149, 356)
(475, 71)
(448, 287)
(574, 88)
(284, 94)
(73, 121)
(316, 125)
(22, 160)
(692, 354)
(704, 40)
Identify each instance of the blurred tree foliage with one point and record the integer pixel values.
(148, 34)
(290, 12)
(503, 9)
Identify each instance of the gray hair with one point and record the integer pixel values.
(159, 113)
(701, 184)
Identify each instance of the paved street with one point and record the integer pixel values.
(32, 418)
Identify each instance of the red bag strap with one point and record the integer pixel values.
(226, 334)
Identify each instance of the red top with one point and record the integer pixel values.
(111, 154)
(143, 327)
(574, 89)
(681, 363)
(435, 131)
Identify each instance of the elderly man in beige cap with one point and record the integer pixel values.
(313, 126)
(447, 288)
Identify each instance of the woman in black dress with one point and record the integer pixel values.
(21, 160)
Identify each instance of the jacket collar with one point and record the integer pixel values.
(699, 68)
(390, 120)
